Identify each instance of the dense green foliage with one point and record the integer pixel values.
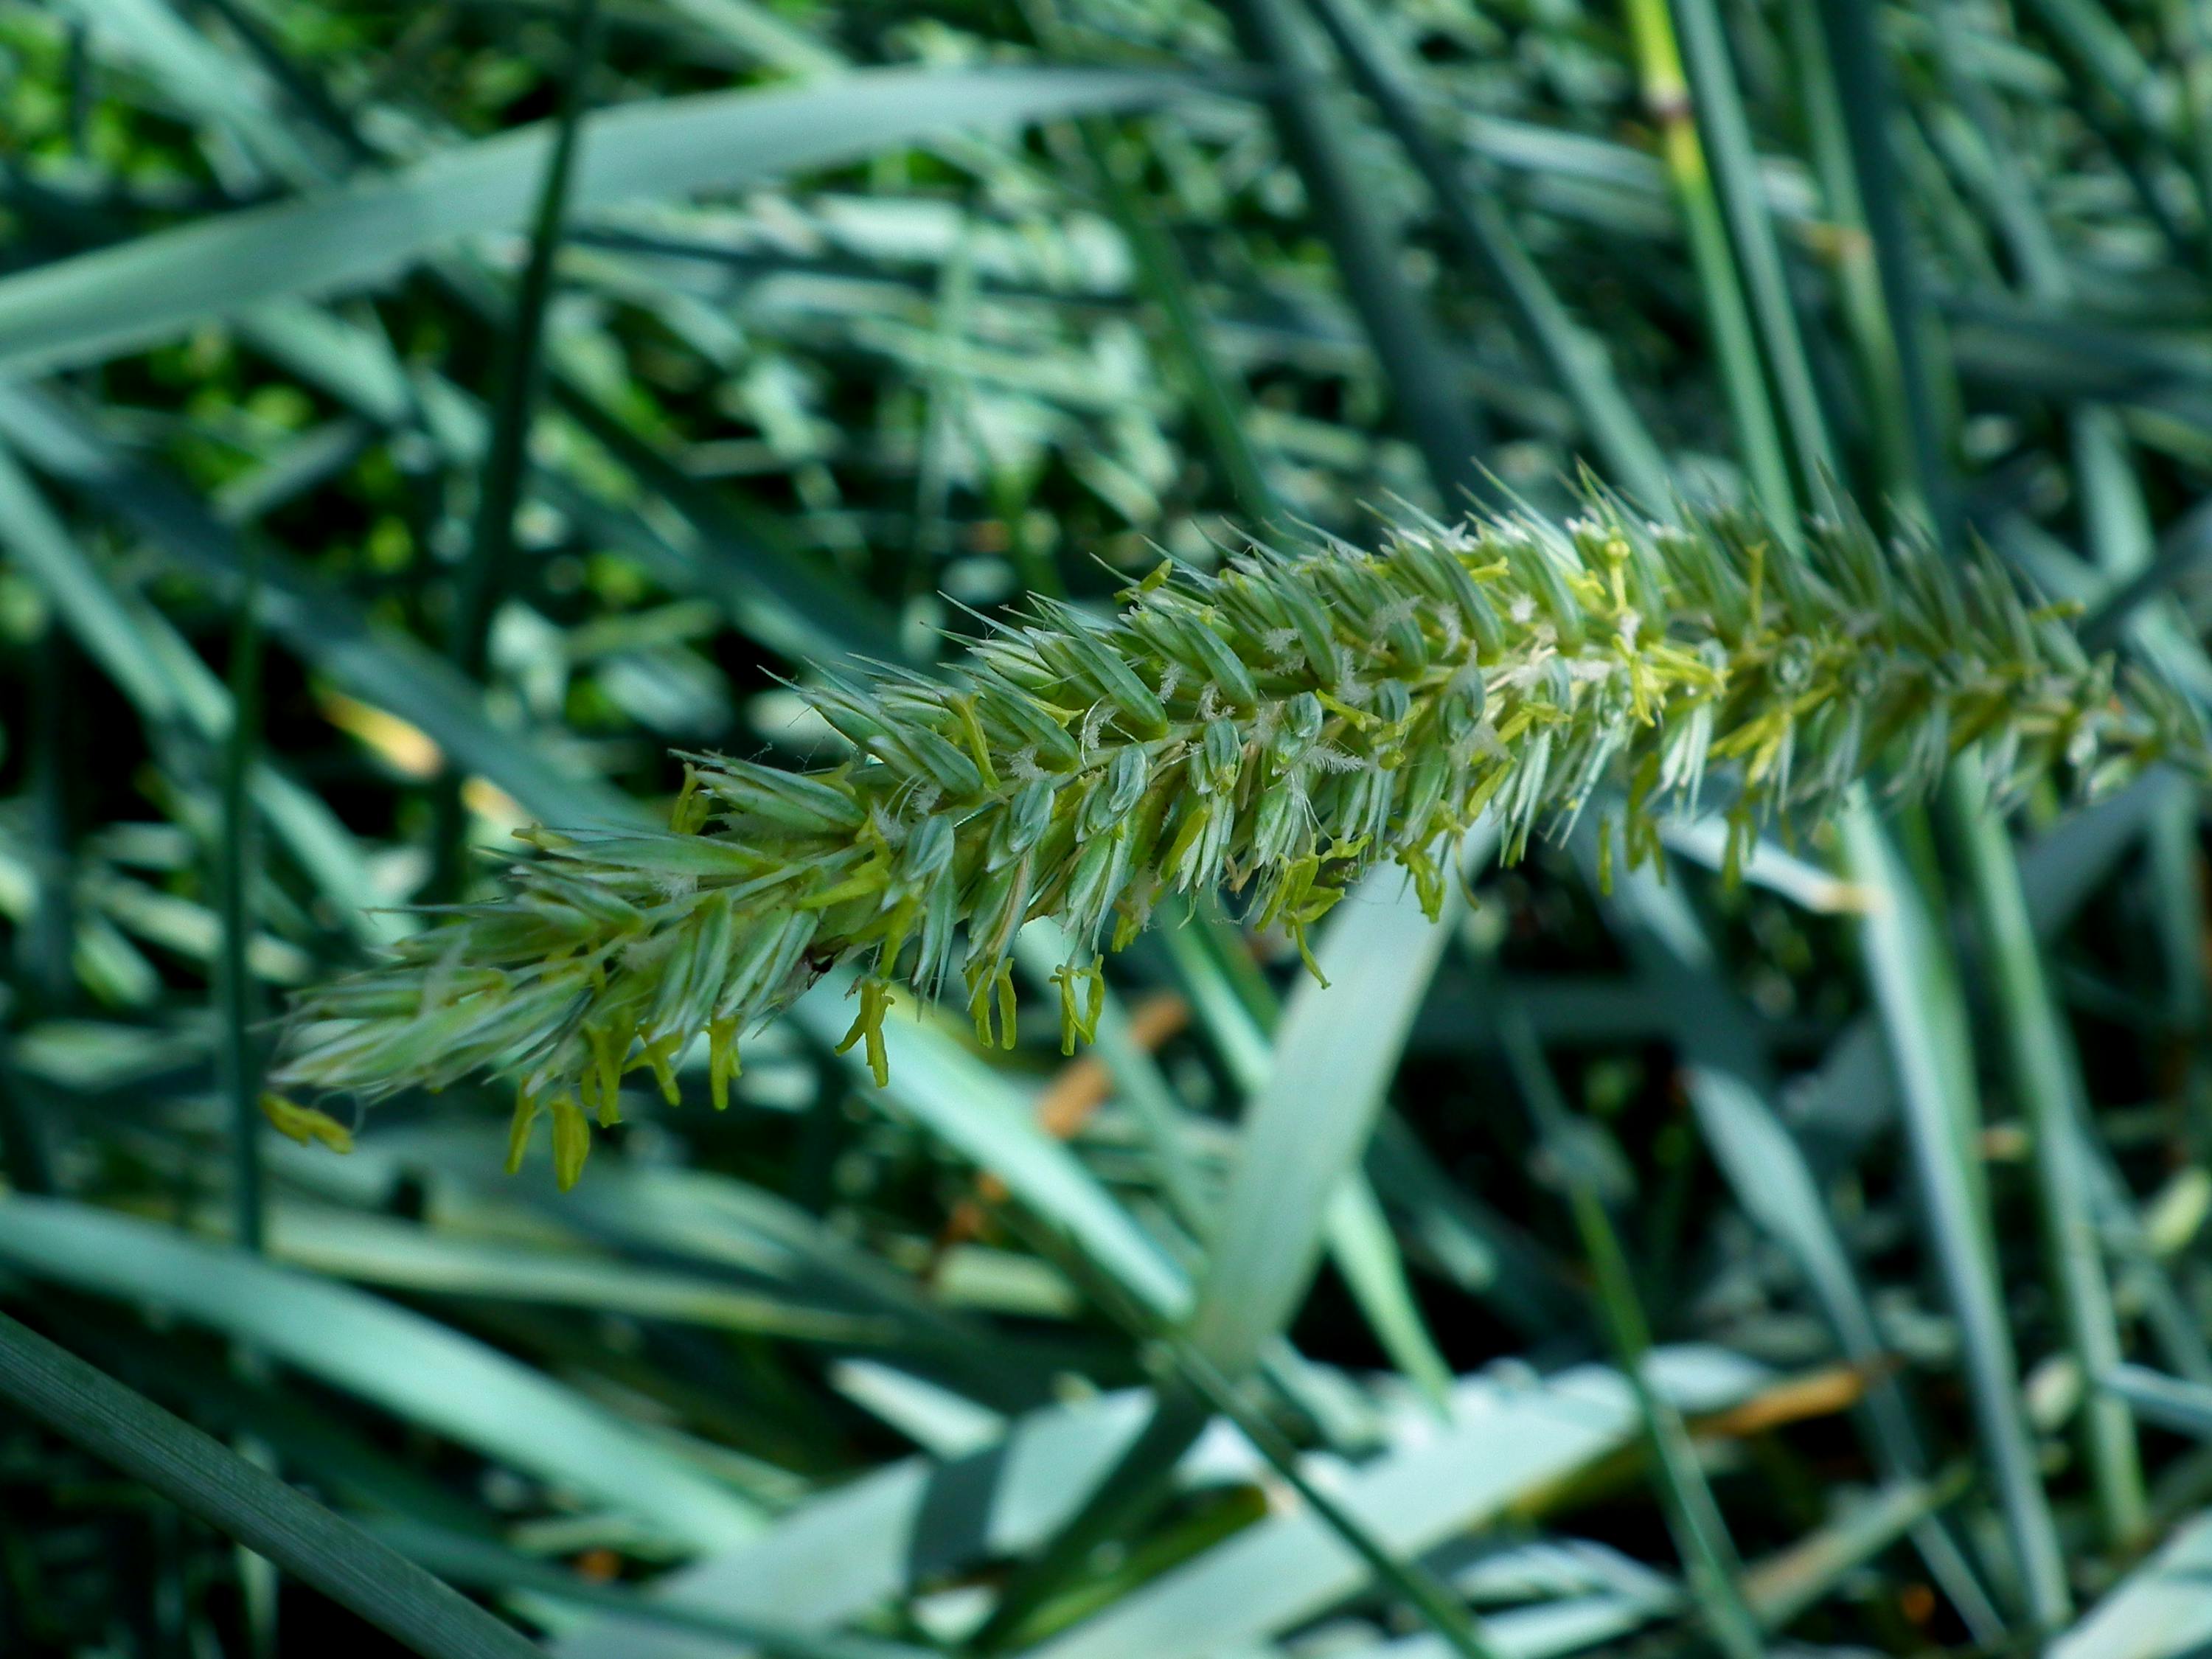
(1734, 1174)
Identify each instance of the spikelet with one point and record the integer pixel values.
(1275, 730)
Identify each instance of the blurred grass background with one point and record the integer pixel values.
(417, 421)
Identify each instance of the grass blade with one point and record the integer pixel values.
(203, 1478)
(1436, 1604)
(381, 666)
(422, 1372)
(1415, 361)
(1579, 361)
(1506, 1441)
(1728, 142)
(485, 579)
(2047, 1081)
(118, 300)
(1730, 1091)
(238, 1060)
(1700, 1534)
(1666, 97)
(1308, 1127)
(167, 681)
(983, 1118)
(1912, 986)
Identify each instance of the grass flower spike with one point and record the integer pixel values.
(1274, 729)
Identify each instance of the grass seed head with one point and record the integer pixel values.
(1276, 729)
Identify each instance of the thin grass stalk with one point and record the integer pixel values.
(1439, 1610)
(1735, 342)
(1742, 192)
(47, 946)
(25, 1158)
(1729, 1076)
(1579, 361)
(238, 1051)
(91, 1410)
(944, 413)
(2046, 1074)
(1852, 257)
(483, 581)
(462, 1558)
(1719, 106)
(1926, 1031)
(1693, 1517)
(2047, 1082)
(1240, 1010)
(1895, 358)
(1416, 364)
(2186, 38)
(237, 1060)
(1916, 990)
(2175, 1331)
(1139, 1084)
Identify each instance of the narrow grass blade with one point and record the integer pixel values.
(372, 1250)
(1361, 1246)
(489, 1567)
(1844, 53)
(689, 538)
(1782, 1587)
(1579, 361)
(1735, 341)
(117, 300)
(483, 580)
(1303, 1135)
(1240, 1013)
(1415, 361)
(381, 666)
(239, 1060)
(1138, 1083)
(2047, 1081)
(1736, 164)
(1308, 1126)
(979, 1115)
(2169, 1402)
(1910, 984)
(168, 684)
(1216, 397)
(913, 1521)
(1730, 1089)
(483, 577)
(1700, 1533)
(206, 1480)
(422, 1371)
(1435, 1604)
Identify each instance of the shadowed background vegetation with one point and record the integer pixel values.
(418, 422)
